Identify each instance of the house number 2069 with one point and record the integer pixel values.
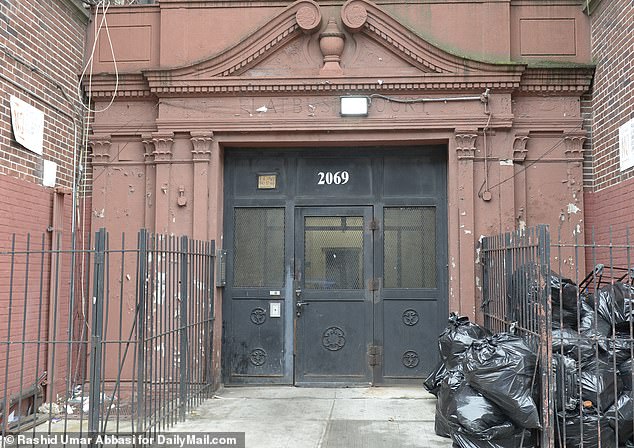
(330, 178)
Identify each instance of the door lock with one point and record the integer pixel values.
(299, 305)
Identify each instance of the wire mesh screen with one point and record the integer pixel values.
(333, 252)
(409, 247)
(259, 247)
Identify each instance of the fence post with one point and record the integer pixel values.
(96, 334)
(142, 273)
(183, 392)
(545, 337)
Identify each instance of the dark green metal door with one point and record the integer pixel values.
(333, 295)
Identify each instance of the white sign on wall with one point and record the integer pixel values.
(28, 125)
(626, 145)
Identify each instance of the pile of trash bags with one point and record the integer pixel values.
(592, 362)
(485, 385)
(488, 387)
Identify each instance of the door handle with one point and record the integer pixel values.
(299, 305)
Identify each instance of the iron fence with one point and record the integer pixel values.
(516, 298)
(112, 339)
(573, 301)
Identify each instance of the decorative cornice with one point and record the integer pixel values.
(162, 146)
(201, 145)
(557, 80)
(519, 147)
(465, 143)
(366, 17)
(440, 71)
(100, 145)
(574, 144)
(303, 15)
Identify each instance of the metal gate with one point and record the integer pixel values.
(336, 265)
(580, 325)
(113, 338)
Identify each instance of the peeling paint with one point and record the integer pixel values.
(507, 162)
(98, 213)
(522, 225)
(467, 232)
(572, 208)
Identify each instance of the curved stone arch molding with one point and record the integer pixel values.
(363, 16)
(303, 16)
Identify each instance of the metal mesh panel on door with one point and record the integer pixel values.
(409, 245)
(333, 252)
(258, 247)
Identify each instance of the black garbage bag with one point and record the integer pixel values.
(433, 382)
(456, 339)
(519, 439)
(617, 347)
(563, 291)
(570, 343)
(613, 303)
(563, 318)
(621, 415)
(471, 413)
(592, 324)
(502, 368)
(566, 383)
(625, 374)
(599, 383)
(446, 396)
(596, 431)
(523, 288)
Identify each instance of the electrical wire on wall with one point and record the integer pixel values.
(484, 192)
(81, 165)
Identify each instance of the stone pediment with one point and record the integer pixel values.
(302, 50)
(364, 48)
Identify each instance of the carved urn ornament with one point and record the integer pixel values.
(331, 43)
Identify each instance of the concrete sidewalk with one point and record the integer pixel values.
(293, 417)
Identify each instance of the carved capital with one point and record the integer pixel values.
(574, 144)
(465, 143)
(519, 148)
(100, 145)
(162, 146)
(148, 146)
(354, 15)
(201, 145)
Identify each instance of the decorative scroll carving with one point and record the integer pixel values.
(410, 359)
(410, 317)
(574, 145)
(354, 16)
(258, 316)
(308, 18)
(519, 148)
(465, 143)
(100, 145)
(162, 146)
(201, 145)
(257, 357)
(331, 43)
(333, 339)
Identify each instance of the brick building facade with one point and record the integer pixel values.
(609, 196)
(41, 55)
